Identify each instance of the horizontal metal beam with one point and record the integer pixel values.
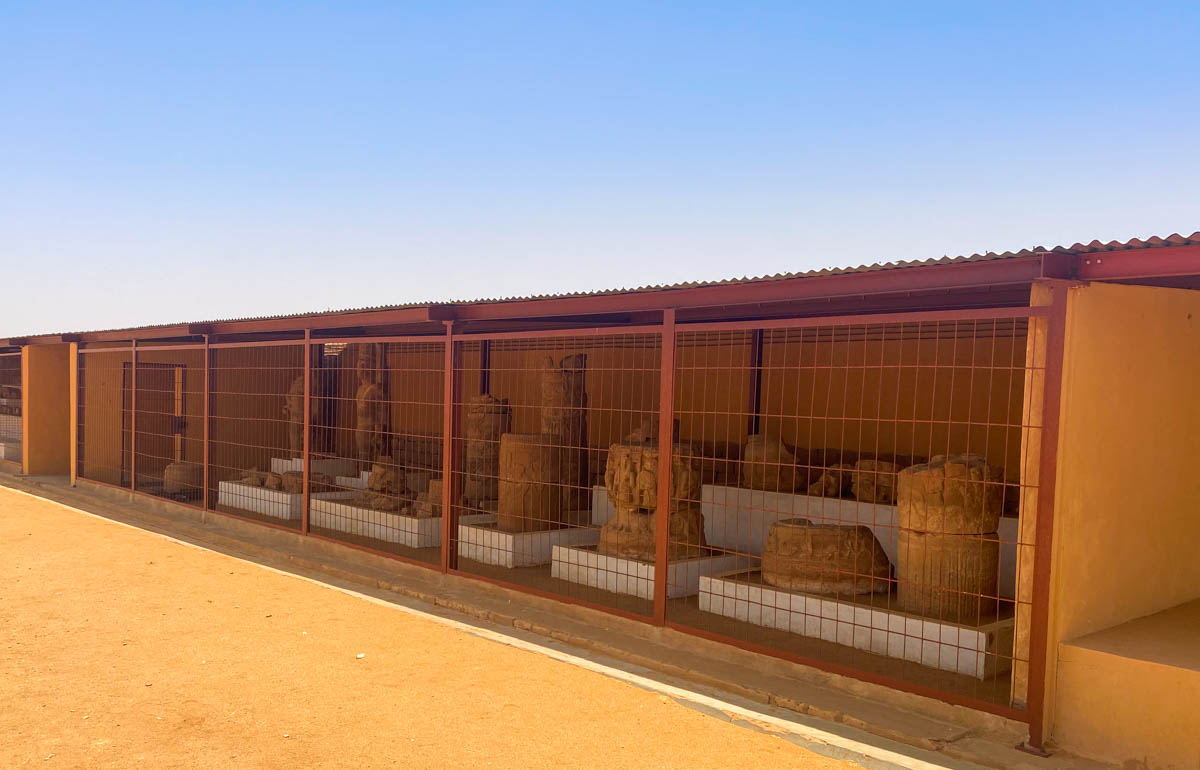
(1161, 262)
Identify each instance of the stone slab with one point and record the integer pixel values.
(330, 466)
(269, 502)
(975, 651)
(636, 578)
(484, 543)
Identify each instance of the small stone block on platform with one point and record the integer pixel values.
(976, 651)
(330, 466)
(269, 502)
(10, 450)
(636, 578)
(487, 544)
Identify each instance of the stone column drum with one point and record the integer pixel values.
(631, 478)
(487, 419)
(948, 553)
(825, 559)
(530, 495)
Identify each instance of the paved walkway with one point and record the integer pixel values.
(121, 648)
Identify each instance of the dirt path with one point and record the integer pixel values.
(121, 648)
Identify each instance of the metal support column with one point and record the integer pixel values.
(666, 446)
(305, 442)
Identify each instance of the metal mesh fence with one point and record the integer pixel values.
(106, 415)
(10, 407)
(538, 416)
(169, 439)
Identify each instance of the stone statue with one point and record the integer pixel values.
(487, 419)
(825, 559)
(631, 478)
(564, 416)
(768, 464)
(530, 495)
(183, 478)
(948, 552)
(370, 406)
(293, 412)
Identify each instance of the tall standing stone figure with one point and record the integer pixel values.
(564, 417)
(370, 407)
(487, 419)
(293, 412)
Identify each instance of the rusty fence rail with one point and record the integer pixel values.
(858, 493)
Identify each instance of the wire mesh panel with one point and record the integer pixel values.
(377, 442)
(10, 406)
(850, 494)
(542, 423)
(256, 433)
(105, 417)
(169, 440)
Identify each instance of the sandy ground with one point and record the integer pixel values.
(122, 648)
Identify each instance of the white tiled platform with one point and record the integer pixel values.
(485, 543)
(974, 651)
(411, 531)
(269, 502)
(10, 450)
(330, 466)
(353, 482)
(630, 576)
(737, 519)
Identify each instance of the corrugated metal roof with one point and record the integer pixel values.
(1152, 242)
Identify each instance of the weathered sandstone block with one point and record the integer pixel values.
(825, 558)
(631, 478)
(874, 481)
(531, 480)
(948, 577)
(768, 464)
(182, 478)
(951, 494)
(833, 482)
(487, 419)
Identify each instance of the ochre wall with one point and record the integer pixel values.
(1126, 527)
(101, 376)
(46, 410)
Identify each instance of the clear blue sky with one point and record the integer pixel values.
(170, 162)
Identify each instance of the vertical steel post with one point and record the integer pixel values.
(1048, 462)
(133, 417)
(485, 367)
(306, 499)
(666, 447)
(204, 459)
(756, 361)
(450, 393)
(73, 396)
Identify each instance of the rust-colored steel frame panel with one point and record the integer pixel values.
(1044, 532)
(666, 448)
(306, 441)
(451, 396)
(133, 351)
(868, 319)
(591, 331)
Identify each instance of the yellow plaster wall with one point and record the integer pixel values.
(1126, 525)
(46, 410)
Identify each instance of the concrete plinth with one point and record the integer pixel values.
(411, 531)
(975, 651)
(484, 543)
(636, 578)
(330, 466)
(269, 502)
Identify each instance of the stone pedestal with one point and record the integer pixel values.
(631, 479)
(590, 567)
(955, 494)
(480, 540)
(825, 559)
(768, 464)
(487, 418)
(531, 482)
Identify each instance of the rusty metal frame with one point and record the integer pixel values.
(207, 419)
(1056, 328)
(133, 366)
(451, 386)
(306, 441)
(666, 448)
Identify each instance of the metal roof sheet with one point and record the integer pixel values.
(1094, 246)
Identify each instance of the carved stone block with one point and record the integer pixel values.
(631, 478)
(487, 418)
(564, 415)
(182, 478)
(768, 464)
(825, 558)
(833, 482)
(874, 481)
(531, 480)
(951, 494)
